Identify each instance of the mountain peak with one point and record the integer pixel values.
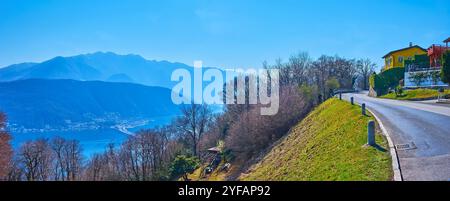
(103, 66)
(109, 54)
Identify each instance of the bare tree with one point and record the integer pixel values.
(295, 71)
(37, 159)
(5, 149)
(104, 167)
(57, 146)
(365, 68)
(143, 157)
(252, 132)
(319, 74)
(94, 168)
(111, 160)
(300, 64)
(194, 122)
(68, 163)
(72, 160)
(16, 172)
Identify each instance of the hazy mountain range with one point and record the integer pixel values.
(102, 86)
(100, 66)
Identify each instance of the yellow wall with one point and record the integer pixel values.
(405, 54)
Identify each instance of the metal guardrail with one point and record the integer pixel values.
(338, 91)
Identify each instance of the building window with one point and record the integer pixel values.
(388, 62)
(400, 59)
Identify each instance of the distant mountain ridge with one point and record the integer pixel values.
(37, 103)
(100, 66)
(86, 87)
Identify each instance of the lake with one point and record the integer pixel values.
(92, 141)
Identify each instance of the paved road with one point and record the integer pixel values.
(424, 126)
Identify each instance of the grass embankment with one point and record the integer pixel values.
(416, 94)
(327, 145)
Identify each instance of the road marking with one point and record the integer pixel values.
(407, 146)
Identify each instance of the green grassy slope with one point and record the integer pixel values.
(416, 94)
(326, 145)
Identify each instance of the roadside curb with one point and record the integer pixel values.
(393, 151)
(395, 160)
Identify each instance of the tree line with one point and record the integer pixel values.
(172, 151)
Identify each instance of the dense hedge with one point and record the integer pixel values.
(387, 79)
(445, 72)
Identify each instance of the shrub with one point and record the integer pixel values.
(332, 84)
(228, 155)
(419, 61)
(435, 76)
(310, 93)
(184, 165)
(387, 79)
(419, 77)
(398, 91)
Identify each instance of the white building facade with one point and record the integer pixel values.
(423, 78)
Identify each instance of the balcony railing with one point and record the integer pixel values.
(414, 68)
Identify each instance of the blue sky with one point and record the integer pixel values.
(225, 33)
